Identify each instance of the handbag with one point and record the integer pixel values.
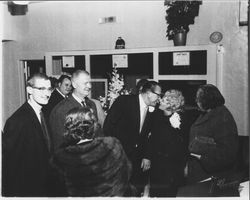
(223, 187)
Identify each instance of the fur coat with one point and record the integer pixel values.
(95, 168)
(217, 159)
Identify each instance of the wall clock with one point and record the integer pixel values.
(216, 37)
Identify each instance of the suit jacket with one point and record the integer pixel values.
(25, 155)
(123, 122)
(55, 98)
(57, 118)
(219, 125)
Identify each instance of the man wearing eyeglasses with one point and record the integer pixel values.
(129, 120)
(26, 144)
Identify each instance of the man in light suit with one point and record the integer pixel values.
(81, 83)
(26, 144)
(129, 120)
(60, 93)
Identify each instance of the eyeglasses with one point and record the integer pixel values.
(43, 88)
(159, 95)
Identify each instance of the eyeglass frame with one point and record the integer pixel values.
(159, 95)
(43, 88)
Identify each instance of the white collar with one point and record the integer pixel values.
(77, 98)
(85, 140)
(36, 107)
(60, 92)
(141, 101)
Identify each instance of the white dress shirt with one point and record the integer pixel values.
(143, 111)
(37, 108)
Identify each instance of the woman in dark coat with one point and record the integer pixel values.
(91, 166)
(169, 141)
(213, 137)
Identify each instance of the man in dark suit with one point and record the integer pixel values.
(81, 83)
(129, 120)
(26, 144)
(60, 93)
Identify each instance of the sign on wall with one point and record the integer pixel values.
(120, 61)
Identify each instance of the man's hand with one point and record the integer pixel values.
(145, 164)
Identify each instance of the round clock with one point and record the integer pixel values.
(216, 37)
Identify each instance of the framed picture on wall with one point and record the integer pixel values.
(68, 61)
(120, 61)
(99, 88)
(243, 12)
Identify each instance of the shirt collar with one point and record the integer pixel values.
(141, 101)
(36, 107)
(77, 98)
(60, 92)
(84, 141)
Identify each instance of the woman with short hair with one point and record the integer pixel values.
(169, 135)
(213, 137)
(91, 166)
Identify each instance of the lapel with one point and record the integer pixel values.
(36, 123)
(58, 95)
(88, 103)
(146, 121)
(73, 101)
(34, 120)
(137, 114)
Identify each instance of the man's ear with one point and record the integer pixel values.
(149, 94)
(29, 89)
(73, 84)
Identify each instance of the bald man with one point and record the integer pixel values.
(81, 83)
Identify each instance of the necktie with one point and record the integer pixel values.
(145, 110)
(45, 130)
(83, 104)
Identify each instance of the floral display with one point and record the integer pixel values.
(116, 88)
(151, 109)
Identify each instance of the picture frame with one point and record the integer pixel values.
(68, 61)
(99, 88)
(243, 12)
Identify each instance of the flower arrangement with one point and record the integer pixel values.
(116, 88)
(175, 120)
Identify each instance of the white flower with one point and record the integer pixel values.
(116, 87)
(151, 109)
(175, 120)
